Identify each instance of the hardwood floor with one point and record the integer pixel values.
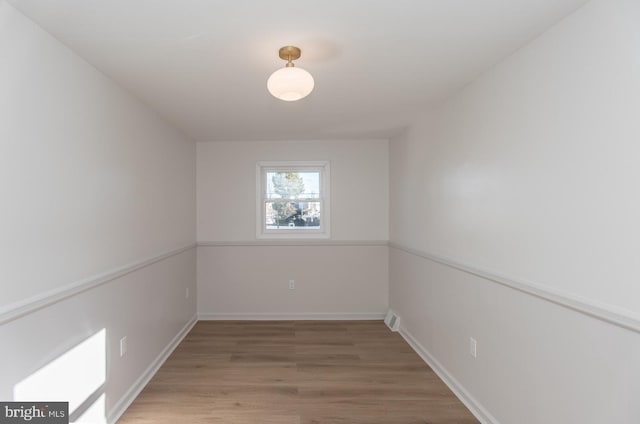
(295, 372)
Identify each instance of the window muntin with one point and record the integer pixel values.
(292, 200)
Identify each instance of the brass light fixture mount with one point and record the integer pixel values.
(289, 53)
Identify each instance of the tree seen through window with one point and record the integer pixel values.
(294, 203)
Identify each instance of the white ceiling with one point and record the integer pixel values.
(203, 64)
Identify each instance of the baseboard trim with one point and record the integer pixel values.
(35, 303)
(127, 399)
(458, 389)
(293, 243)
(608, 313)
(367, 316)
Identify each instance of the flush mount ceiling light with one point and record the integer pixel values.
(290, 83)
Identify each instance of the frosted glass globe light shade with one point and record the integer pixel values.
(290, 84)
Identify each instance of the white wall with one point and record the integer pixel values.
(147, 306)
(530, 176)
(227, 186)
(94, 185)
(331, 281)
(89, 174)
(235, 278)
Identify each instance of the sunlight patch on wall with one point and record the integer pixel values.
(77, 377)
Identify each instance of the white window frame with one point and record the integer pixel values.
(262, 168)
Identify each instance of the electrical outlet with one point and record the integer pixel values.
(123, 346)
(186, 294)
(292, 284)
(473, 347)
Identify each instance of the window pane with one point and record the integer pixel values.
(293, 185)
(292, 215)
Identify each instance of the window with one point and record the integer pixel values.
(293, 200)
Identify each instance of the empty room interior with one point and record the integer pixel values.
(305, 212)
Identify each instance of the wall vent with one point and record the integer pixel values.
(392, 320)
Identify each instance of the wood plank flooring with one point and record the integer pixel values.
(295, 372)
